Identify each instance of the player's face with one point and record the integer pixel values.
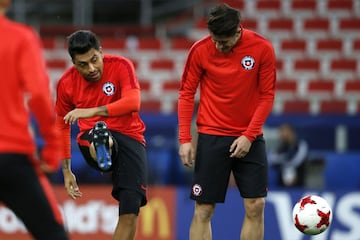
(224, 44)
(90, 64)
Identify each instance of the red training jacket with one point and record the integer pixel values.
(236, 88)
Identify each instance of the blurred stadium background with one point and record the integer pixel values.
(317, 43)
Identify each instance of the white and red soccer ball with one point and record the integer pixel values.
(312, 215)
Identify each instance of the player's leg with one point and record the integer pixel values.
(88, 150)
(250, 174)
(253, 224)
(129, 207)
(30, 197)
(211, 177)
(200, 227)
(129, 184)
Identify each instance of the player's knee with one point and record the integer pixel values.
(204, 212)
(254, 207)
(129, 202)
(128, 220)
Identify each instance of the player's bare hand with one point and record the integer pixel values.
(240, 147)
(71, 185)
(77, 113)
(187, 154)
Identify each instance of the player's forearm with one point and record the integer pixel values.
(129, 102)
(100, 111)
(66, 164)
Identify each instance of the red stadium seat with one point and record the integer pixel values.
(321, 87)
(265, 5)
(239, 4)
(250, 23)
(329, 45)
(181, 43)
(356, 44)
(172, 85)
(300, 5)
(296, 107)
(161, 64)
(307, 65)
(145, 85)
(340, 5)
(350, 24)
(293, 45)
(352, 86)
(343, 64)
(149, 44)
(280, 24)
(279, 64)
(286, 86)
(56, 63)
(317, 24)
(333, 107)
(48, 42)
(113, 43)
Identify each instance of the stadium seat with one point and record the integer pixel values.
(172, 85)
(352, 86)
(344, 64)
(349, 24)
(162, 63)
(286, 86)
(48, 43)
(333, 5)
(356, 44)
(307, 65)
(316, 24)
(334, 45)
(265, 5)
(181, 43)
(296, 107)
(333, 107)
(250, 23)
(298, 45)
(281, 24)
(321, 87)
(113, 43)
(239, 4)
(56, 63)
(301, 5)
(146, 43)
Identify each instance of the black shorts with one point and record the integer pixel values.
(129, 164)
(213, 166)
(26, 191)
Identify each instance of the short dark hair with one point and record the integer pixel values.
(223, 20)
(81, 42)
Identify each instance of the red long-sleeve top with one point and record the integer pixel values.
(236, 88)
(118, 90)
(25, 88)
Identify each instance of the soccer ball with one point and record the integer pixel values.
(312, 215)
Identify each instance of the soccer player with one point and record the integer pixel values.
(102, 94)
(25, 91)
(235, 69)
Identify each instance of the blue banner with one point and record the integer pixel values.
(227, 219)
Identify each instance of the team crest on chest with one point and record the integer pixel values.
(248, 62)
(108, 89)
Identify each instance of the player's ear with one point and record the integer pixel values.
(101, 50)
